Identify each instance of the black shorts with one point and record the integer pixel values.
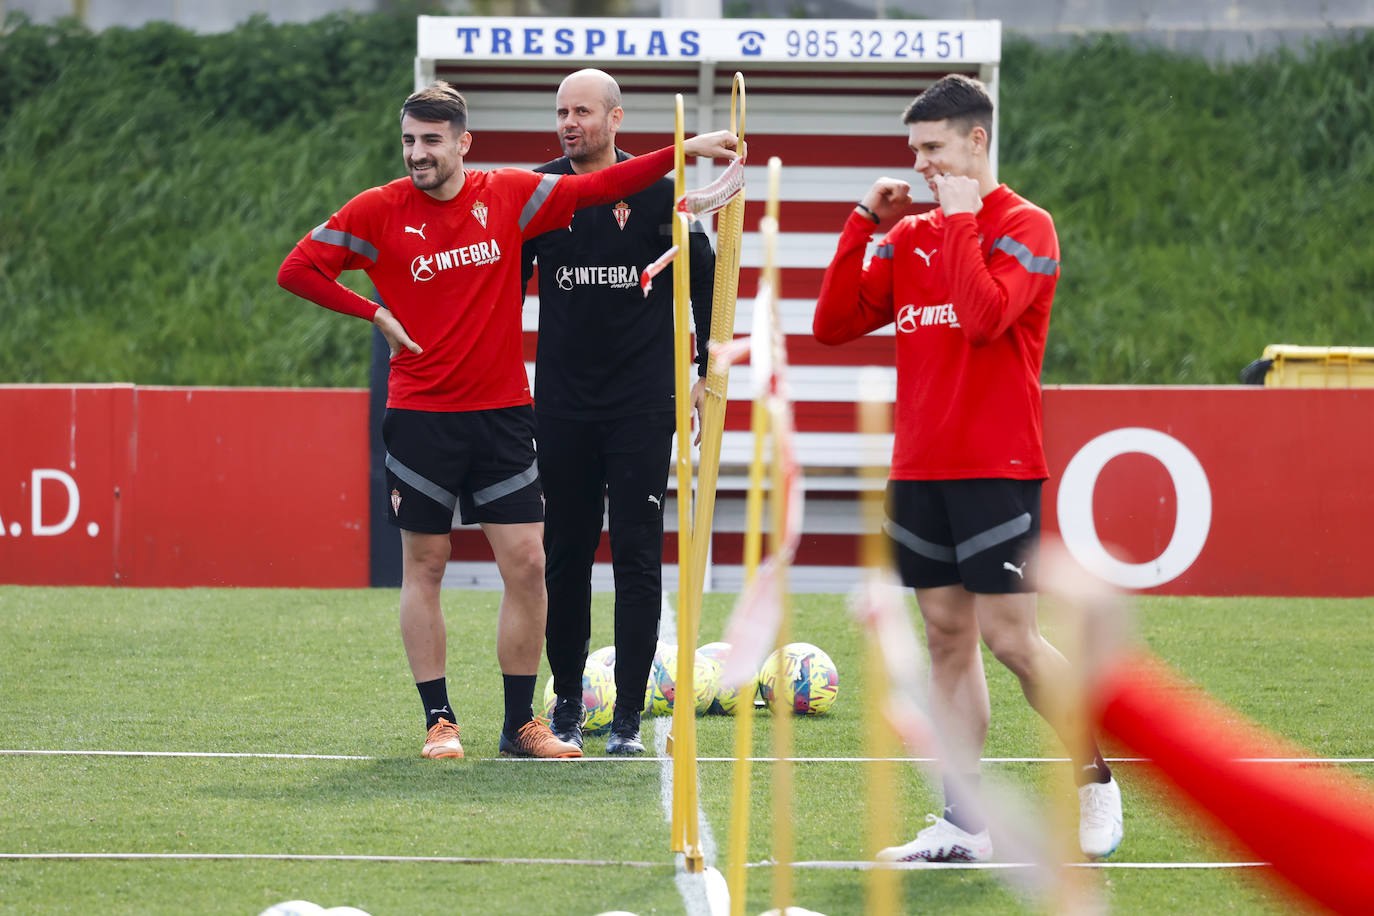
(981, 534)
(480, 461)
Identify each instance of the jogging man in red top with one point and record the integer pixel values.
(969, 286)
(443, 249)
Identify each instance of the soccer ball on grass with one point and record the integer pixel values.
(800, 677)
(598, 695)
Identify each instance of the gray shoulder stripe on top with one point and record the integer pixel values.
(537, 198)
(421, 483)
(335, 237)
(506, 487)
(997, 534)
(917, 545)
(883, 251)
(1032, 264)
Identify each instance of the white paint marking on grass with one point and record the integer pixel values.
(831, 865)
(79, 753)
(664, 722)
(848, 865)
(691, 886)
(307, 857)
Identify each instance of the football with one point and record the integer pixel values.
(801, 677)
(705, 681)
(603, 656)
(661, 688)
(598, 695)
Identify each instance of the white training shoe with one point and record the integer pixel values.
(941, 842)
(1099, 818)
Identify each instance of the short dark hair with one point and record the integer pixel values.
(962, 99)
(438, 102)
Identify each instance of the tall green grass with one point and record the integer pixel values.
(152, 183)
(1204, 211)
(151, 180)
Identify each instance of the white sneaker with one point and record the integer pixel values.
(941, 842)
(1099, 818)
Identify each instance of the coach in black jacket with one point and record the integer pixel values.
(604, 402)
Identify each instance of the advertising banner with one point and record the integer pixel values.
(125, 485)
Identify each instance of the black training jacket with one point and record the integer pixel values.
(604, 349)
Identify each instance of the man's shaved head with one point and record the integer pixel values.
(599, 80)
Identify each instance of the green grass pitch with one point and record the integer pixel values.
(323, 673)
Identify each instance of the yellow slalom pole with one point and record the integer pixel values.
(729, 234)
(882, 891)
(692, 573)
(692, 576)
(737, 876)
(683, 830)
(783, 844)
(783, 829)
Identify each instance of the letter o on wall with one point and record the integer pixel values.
(1192, 520)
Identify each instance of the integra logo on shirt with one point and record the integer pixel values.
(427, 267)
(912, 317)
(616, 276)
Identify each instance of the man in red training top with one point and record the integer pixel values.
(969, 286)
(442, 247)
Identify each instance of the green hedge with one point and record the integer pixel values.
(1203, 211)
(152, 179)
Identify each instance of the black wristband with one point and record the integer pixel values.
(871, 215)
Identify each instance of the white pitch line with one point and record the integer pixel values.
(308, 857)
(286, 757)
(830, 865)
(666, 722)
(848, 865)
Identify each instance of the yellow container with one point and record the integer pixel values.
(1319, 367)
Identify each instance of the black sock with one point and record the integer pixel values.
(434, 696)
(519, 701)
(1096, 771)
(958, 811)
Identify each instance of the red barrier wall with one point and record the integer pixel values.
(65, 475)
(184, 486)
(1205, 491)
(1273, 486)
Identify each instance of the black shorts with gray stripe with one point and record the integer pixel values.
(981, 533)
(478, 461)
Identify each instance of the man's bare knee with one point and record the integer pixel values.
(524, 571)
(521, 563)
(1016, 651)
(948, 645)
(424, 558)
